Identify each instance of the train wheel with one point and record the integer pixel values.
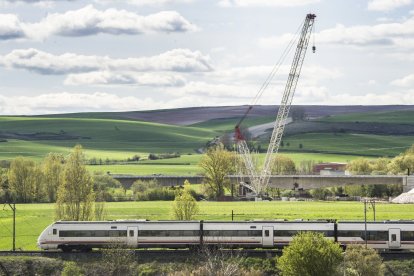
(66, 248)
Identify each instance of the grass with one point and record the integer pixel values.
(392, 117)
(188, 164)
(228, 124)
(31, 219)
(103, 138)
(352, 144)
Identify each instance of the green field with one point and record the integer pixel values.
(31, 219)
(352, 144)
(228, 124)
(103, 138)
(394, 117)
(188, 164)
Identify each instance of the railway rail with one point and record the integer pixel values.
(184, 253)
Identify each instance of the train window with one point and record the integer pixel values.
(407, 235)
(54, 231)
(113, 227)
(233, 233)
(285, 233)
(131, 233)
(266, 233)
(168, 233)
(92, 233)
(393, 237)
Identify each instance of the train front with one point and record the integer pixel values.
(46, 238)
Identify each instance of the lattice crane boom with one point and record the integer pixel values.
(260, 182)
(287, 98)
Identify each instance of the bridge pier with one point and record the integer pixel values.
(409, 183)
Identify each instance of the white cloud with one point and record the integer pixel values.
(90, 21)
(10, 27)
(266, 3)
(145, 2)
(387, 5)
(69, 102)
(131, 78)
(181, 60)
(399, 34)
(407, 81)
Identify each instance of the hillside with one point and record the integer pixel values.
(194, 115)
(344, 130)
(104, 138)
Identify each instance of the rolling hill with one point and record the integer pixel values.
(344, 130)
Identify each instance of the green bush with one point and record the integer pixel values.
(162, 193)
(31, 265)
(400, 267)
(71, 269)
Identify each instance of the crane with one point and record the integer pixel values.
(259, 182)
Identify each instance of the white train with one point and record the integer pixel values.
(85, 235)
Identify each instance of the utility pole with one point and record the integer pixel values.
(365, 220)
(13, 208)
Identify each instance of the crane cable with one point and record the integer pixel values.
(272, 74)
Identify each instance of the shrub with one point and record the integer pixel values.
(310, 254)
(362, 261)
(162, 193)
(71, 269)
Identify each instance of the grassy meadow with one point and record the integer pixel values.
(31, 219)
(188, 164)
(392, 117)
(102, 138)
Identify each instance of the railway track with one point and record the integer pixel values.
(183, 253)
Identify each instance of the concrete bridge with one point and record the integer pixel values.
(304, 182)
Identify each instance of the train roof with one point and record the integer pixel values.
(191, 221)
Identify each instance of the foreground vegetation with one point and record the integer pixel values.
(31, 219)
(308, 254)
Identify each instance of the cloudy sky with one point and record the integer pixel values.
(110, 55)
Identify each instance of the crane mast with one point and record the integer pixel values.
(260, 182)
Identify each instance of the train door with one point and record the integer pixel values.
(132, 237)
(267, 236)
(394, 238)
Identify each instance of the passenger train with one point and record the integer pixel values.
(85, 235)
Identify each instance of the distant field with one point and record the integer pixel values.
(395, 117)
(188, 164)
(107, 138)
(353, 144)
(33, 218)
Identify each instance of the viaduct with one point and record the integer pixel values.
(304, 182)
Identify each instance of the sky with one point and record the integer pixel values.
(60, 56)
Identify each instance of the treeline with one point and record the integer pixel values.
(401, 164)
(133, 159)
(27, 181)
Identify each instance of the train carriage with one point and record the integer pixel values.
(78, 235)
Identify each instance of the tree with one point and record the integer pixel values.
(20, 179)
(306, 166)
(282, 164)
(379, 166)
(401, 164)
(217, 164)
(53, 169)
(185, 206)
(320, 193)
(75, 198)
(310, 253)
(359, 166)
(361, 261)
(37, 181)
